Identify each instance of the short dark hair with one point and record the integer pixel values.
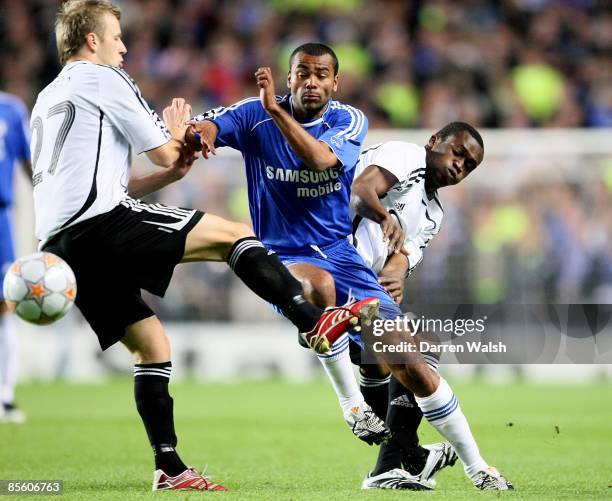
(315, 49)
(454, 127)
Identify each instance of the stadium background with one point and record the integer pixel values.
(532, 225)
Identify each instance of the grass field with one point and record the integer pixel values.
(274, 440)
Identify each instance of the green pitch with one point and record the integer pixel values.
(276, 440)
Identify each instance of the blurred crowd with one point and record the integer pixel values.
(545, 243)
(506, 63)
(406, 64)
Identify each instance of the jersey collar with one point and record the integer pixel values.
(314, 122)
(72, 64)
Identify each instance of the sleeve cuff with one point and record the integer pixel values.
(414, 254)
(340, 163)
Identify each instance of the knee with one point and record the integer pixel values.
(417, 377)
(373, 371)
(413, 372)
(320, 289)
(151, 353)
(232, 233)
(240, 230)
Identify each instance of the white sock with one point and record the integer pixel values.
(339, 370)
(443, 412)
(8, 359)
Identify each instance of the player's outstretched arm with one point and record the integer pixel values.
(175, 117)
(367, 188)
(315, 154)
(175, 155)
(139, 187)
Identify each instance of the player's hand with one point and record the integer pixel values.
(208, 135)
(265, 82)
(393, 234)
(394, 285)
(175, 117)
(180, 168)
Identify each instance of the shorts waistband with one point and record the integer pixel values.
(312, 249)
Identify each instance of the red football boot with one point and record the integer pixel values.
(336, 320)
(188, 480)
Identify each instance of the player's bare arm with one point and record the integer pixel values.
(139, 187)
(315, 154)
(175, 117)
(393, 276)
(373, 183)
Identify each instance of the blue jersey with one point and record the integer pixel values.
(293, 207)
(14, 143)
(14, 147)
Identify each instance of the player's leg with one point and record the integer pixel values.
(127, 318)
(403, 416)
(439, 405)
(318, 284)
(319, 287)
(9, 351)
(216, 239)
(374, 385)
(343, 263)
(8, 367)
(401, 452)
(150, 349)
(123, 247)
(373, 382)
(434, 396)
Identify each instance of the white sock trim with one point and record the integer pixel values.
(440, 404)
(432, 361)
(370, 382)
(338, 348)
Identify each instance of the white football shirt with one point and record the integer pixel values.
(419, 213)
(85, 124)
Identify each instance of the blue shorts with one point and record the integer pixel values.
(7, 250)
(350, 273)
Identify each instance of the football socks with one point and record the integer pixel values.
(155, 406)
(376, 393)
(443, 412)
(264, 273)
(339, 370)
(403, 419)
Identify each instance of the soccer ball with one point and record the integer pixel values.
(40, 288)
